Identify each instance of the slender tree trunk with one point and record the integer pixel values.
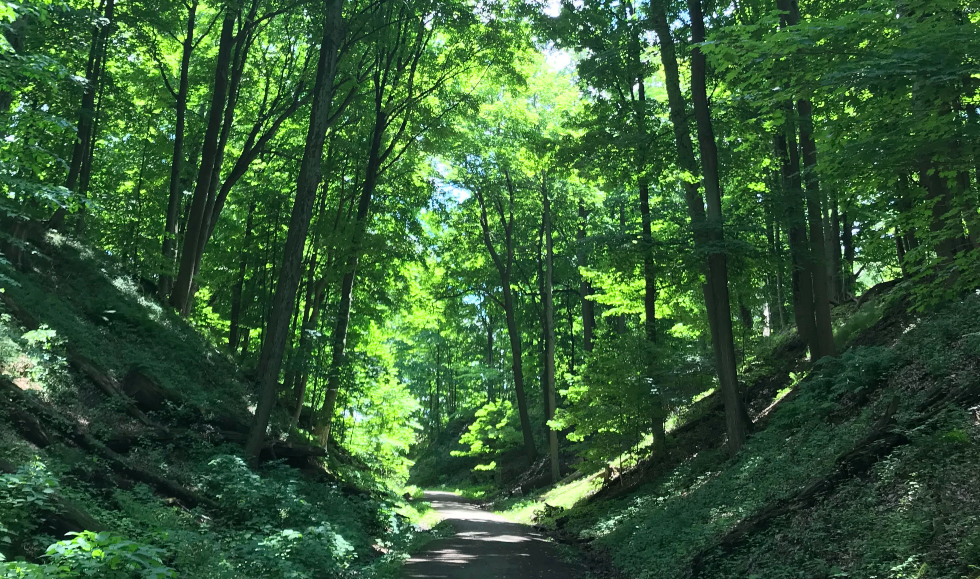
(818, 256)
(437, 410)
(950, 239)
(585, 288)
(736, 417)
(847, 240)
(236, 293)
(549, 328)
(306, 187)
(236, 70)
(772, 291)
(504, 265)
(182, 291)
(514, 332)
(811, 303)
(339, 338)
(801, 280)
(780, 277)
(838, 256)
(87, 113)
(649, 272)
(490, 386)
(176, 160)
(900, 252)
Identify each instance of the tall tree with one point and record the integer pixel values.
(505, 269)
(307, 183)
(79, 167)
(549, 326)
(719, 310)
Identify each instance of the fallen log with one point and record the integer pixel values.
(62, 516)
(103, 381)
(73, 432)
(146, 392)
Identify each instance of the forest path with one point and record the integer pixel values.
(485, 546)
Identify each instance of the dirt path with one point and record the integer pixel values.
(485, 546)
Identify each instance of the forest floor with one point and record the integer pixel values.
(486, 546)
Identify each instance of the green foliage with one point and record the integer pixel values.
(43, 352)
(90, 554)
(911, 517)
(24, 496)
(495, 430)
(857, 370)
(626, 386)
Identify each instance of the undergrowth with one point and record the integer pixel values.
(274, 522)
(914, 515)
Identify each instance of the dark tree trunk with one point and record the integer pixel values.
(814, 298)
(847, 240)
(585, 288)
(236, 292)
(649, 272)
(549, 328)
(306, 187)
(835, 247)
(505, 265)
(950, 239)
(339, 338)
(824, 340)
(87, 113)
(621, 318)
(182, 291)
(176, 161)
(900, 252)
(737, 420)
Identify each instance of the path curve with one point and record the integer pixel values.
(485, 546)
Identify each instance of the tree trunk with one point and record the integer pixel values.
(242, 44)
(87, 113)
(649, 273)
(847, 240)
(339, 338)
(950, 239)
(737, 420)
(621, 318)
(176, 161)
(549, 328)
(585, 288)
(518, 368)
(236, 293)
(306, 187)
(490, 387)
(900, 252)
(818, 263)
(835, 247)
(181, 295)
(504, 265)
(792, 199)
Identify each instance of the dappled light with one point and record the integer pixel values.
(489, 289)
(485, 545)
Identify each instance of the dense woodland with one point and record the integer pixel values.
(524, 235)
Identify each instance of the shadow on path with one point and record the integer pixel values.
(485, 546)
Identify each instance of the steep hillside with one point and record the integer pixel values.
(120, 447)
(864, 468)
